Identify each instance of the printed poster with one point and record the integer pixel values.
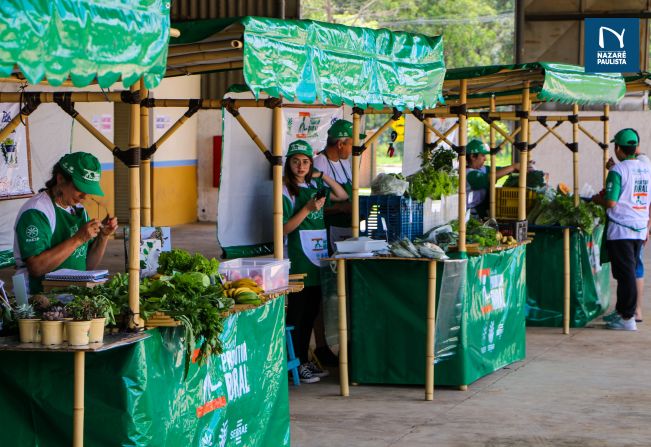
(15, 175)
(310, 125)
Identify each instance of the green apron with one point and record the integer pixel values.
(308, 243)
(339, 225)
(66, 226)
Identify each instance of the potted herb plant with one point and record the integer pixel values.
(28, 324)
(102, 313)
(52, 325)
(80, 309)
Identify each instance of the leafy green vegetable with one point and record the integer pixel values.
(535, 179)
(432, 184)
(559, 209)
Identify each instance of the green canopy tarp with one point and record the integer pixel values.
(85, 39)
(314, 61)
(551, 81)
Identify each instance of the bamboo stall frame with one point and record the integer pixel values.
(566, 281)
(575, 154)
(431, 330)
(606, 141)
(145, 167)
(355, 176)
(492, 175)
(278, 183)
(343, 328)
(524, 152)
(463, 141)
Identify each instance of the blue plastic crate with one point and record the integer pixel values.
(390, 217)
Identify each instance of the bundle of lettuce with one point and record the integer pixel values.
(557, 208)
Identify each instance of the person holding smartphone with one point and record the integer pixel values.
(304, 196)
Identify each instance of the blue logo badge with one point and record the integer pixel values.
(612, 45)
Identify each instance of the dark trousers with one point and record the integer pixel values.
(302, 309)
(623, 257)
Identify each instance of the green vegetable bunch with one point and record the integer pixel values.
(432, 184)
(560, 210)
(478, 233)
(179, 260)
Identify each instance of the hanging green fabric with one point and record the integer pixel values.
(84, 40)
(7, 258)
(589, 279)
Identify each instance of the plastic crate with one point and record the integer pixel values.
(390, 217)
(517, 229)
(269, 273)
(506, 202)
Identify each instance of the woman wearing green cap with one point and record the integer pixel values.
(477, 177)
(304, 195)
(52, 229)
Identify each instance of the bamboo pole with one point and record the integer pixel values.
(429, 135)
(492, 176)
(278, 183)
(134, 213)
(524, 154)
(94, 132)
(371, 140)
(204, 56)
(575, 155)
(48, 97)
(446, 134)
(606, 141)
(146, 164)
(175, 50)
(355, 173)
(11, 126)
(78, 399)
(431, 330)
(463, 140)
(441, 136)
(343, 327)
(251, 133)
(566, 282)
(503, 132)
(173, 128)
(203, 68)
(588, 134)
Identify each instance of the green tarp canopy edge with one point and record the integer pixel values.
(84, 40)
(561, 83)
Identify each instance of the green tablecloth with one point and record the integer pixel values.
(480, 318)
(137, 395)
(589, 280)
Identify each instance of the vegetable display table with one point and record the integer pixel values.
(479, 325)
(586, 281)
(140, 396)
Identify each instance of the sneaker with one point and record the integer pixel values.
(316, 371)
(306, 375)
(611, 316)
(621, 324)
(326, 356)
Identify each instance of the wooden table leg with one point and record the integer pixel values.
(78, 400)
(431, 327)
(343, 328)
(566, 282)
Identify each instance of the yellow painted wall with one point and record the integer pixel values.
(174, 195)
(107, 182)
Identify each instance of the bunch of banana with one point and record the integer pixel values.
(243, 291)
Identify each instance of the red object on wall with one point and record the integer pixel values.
(216, 160)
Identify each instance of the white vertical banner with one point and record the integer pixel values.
(415, 140)
(309, 124)
(14, 163)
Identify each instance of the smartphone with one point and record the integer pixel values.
(321, 193)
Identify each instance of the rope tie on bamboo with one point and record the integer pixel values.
(485, 116)
(604, 146)
(195, 105)
(460, 109)
(396, 114)
(574, 147)
(532, 146)
(272, 103)
(131, 157)
(130, 97)
(358, 111)
(148, 102)
(229, 105)
(542, 120)
(573, 118)
(494, 150)
(64, 100)
(522, 114)
(274, 160)
(29, 103)
(521, 146)
(460, 150)
(604, 118)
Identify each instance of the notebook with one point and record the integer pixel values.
(77, 275)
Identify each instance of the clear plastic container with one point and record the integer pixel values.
(269, 273)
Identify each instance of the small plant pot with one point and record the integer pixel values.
(29, 330)
(78, 332)
(97, 330)
(65, 329)
(51, 333)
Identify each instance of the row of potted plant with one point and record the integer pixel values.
(80, 321)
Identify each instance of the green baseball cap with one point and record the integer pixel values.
(85, 170)
(476, 146)
(343, 129)
(300, 147)
(626, 137)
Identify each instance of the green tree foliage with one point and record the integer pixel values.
(475, 32)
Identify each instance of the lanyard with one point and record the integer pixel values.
(332, 168)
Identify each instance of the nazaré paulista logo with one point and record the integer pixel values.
(612, 45)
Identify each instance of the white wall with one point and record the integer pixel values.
(553, 157)
(209, 124)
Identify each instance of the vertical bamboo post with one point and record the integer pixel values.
(575, 154)
(429, 135)
(431, 330)
(493, 169)
(524, 154)
(134, 211)
(146, 164)
(606, 140)
(277, 150)
(78, 399)
(463, 140)
(566, 282)
(355, 172)
(343, 328)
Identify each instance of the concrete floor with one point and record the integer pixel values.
(588, 389)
